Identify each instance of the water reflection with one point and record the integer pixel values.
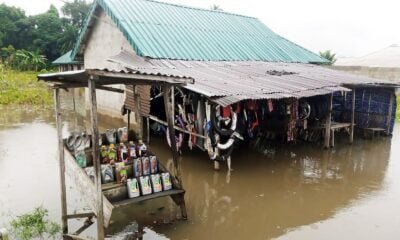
(264, 197)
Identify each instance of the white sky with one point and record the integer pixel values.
(347, 27)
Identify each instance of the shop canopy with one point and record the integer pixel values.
(227, 82)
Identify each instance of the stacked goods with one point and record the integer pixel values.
(129, 163)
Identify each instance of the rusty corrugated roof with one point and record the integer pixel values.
(228, 82)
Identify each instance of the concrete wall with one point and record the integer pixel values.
(106, 40)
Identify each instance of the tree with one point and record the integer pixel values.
(75, 12)
(328, 55)
(47, 32)
(10, 18)
(216, 7)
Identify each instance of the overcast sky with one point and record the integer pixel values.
(347, 27)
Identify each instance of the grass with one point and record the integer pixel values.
(21, 88)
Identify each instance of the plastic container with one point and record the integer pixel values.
(146, 166)
(166, 181)
(107, 173)
(137, 167)
(123, 153)
(80, 158)
(156, 182)
(104, 154)
(112, 154)
(120, 172)
(132, 150)
(142, 149)
(145, 185)
(153, 165)
(132, 186)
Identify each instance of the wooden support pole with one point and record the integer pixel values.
(138, 115)
(390, 111)
(148, 130)
(129, 120)
(353, 108)
(328, 122)
(96, 157)
(64, 220)
(169, 104)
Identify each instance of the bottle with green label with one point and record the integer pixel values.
(112, 154)
(133, 188)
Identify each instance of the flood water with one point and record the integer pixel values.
(299, 192)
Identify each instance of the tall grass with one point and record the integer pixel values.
(18, 87)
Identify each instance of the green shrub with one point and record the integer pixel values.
(34, 225)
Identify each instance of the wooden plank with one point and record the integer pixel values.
(328, 122)
(96, 158)
(138, 115)
(148, 197)
(353, 108)
(64, 221)
(86, 187)
(81, 215)
(390, 111)
(176, 127)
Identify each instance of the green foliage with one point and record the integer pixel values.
(34, 225)
(23, 88)
(75, 12)
(45, 34)
(328, 55)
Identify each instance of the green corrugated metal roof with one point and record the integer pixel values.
(65, 59)
(168, 31)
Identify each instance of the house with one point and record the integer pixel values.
(236, 62)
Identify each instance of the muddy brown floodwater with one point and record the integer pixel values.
(299, 192)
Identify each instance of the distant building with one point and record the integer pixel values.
(384, 64)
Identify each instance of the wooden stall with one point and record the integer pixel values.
(101, 198)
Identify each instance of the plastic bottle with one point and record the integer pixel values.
(132, 150)
(104, 154)
(112, 154)
(123, 153)
(137, 167)
(153, 165)
(133, 188)
(146, 166)
(142, 149)
(166, 181)
(145, 185)
(156, 182)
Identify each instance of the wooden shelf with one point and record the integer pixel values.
(147, 197)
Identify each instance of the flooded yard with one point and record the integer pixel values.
(298, 192)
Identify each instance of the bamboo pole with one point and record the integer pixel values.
(353, 107)
(64, 220)
(96, 157)
(328, 122)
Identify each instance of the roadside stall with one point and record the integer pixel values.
(113, 169)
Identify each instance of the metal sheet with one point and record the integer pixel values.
(169, 31)
(240, 80)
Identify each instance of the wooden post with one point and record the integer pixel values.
(64, 220)
(328, 122)
(96, 157)
(148, 130)
(353, 108)
(390, 111)
(139, 120)
(129, 120)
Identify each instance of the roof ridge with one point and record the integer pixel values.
(198, 8)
